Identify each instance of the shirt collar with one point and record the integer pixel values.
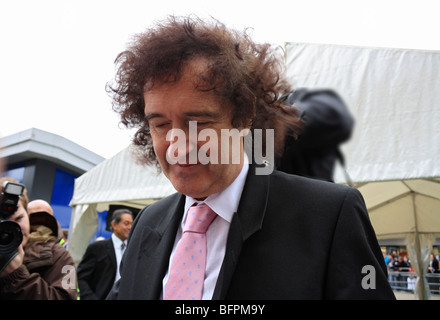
(224, 203)
(116, 241)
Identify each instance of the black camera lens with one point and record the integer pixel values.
(6, 238)
(10, 237)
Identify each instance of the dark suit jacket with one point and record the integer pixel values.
(291, 238)
(97, 270)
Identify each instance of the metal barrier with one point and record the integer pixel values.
(405, 279)
(433, 282)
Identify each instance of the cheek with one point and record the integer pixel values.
(25, 230)
(160, 147)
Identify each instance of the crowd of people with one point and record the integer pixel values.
(43, 269)
(402, 275)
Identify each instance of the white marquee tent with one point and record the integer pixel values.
(118, 180)
(394, 154)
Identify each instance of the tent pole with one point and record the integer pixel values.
(418, 251)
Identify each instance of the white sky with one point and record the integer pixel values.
(56, 56)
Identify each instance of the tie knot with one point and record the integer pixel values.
(199, 218)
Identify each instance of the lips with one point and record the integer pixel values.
(187, 168)
(187, 165)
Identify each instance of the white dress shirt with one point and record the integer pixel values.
(225, 204)
(117, 244)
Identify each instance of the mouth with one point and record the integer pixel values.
(186, 165)
(187, 168)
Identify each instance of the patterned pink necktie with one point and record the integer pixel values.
(187, 272)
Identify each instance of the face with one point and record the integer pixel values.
(176, 107)
(21, 217)
(122, 228)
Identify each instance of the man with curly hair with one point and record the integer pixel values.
(273, 236)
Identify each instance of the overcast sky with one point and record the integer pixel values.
(56, 56)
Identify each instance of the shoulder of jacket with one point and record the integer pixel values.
(304, 185)
(159, 206)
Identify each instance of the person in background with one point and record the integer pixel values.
(328, 124)
(40, 205)
(433, 264)
(43, 269)
(99, 267)
(433, 270)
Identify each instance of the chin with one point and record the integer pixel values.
(190, 192)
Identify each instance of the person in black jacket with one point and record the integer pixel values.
(328, 123)
(433, 280)
(275, 235)
(99, 267)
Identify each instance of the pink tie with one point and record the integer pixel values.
(187, 272)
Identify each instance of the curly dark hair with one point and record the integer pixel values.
(245, 74)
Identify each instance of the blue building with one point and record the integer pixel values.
(47, 164)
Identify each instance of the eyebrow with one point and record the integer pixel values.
(202, 114)
(191, 114)
(153, 115)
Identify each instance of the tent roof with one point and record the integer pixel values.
(121, 179)
(399, 207)
(378, 194)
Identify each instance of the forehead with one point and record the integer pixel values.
(193, 72)
(126, 217)
(185, 95)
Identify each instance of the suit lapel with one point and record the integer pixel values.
(157, 244)
(111, 252)
(246, 221)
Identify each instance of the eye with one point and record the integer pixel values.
(158, 125)
(202, 124)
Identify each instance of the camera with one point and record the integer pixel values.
(10, 232)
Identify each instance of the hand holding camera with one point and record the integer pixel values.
(10, 232)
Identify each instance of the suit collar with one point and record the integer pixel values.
(157, 254)
(111, 252)
(253, 202)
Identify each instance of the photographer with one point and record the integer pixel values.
(42, 269)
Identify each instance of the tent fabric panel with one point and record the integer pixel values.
(378, 193)
(396, 217)
(121, 178)
(419, 248)
(425, 187)
(392, 93)
(83, 226)
(428, 214)
(134, 193)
